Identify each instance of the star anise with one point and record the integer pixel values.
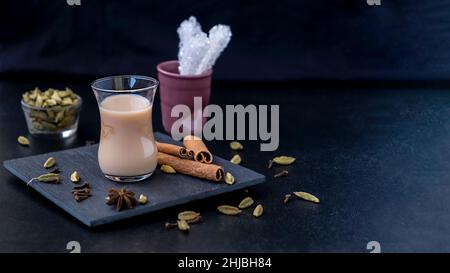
(121, 198)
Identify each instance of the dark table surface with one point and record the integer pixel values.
(378, 158)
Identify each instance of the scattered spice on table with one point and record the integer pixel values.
(306, 196)
(49, 163)
(258, 211)
(188, 215)
(246, 202)
(270, 164)
(121, 198)
(81, 192)
(51, 178)
(185, 219)
(283, 160)
(283, 173)
(23, 141)
(142, 199)
(75, 177)
(236, 159)
(236, 146)
(229, 178)
(287, 198)
(229, 210)
(183, 225)
(167, 168)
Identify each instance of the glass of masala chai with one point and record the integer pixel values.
(127, 150)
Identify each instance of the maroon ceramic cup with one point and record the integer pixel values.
(177, 89)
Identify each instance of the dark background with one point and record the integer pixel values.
(272, 40)
(370, 133)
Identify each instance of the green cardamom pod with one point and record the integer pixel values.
(56, 98)
(57, 108)
(284, 160)
(142, 199)
(63, 94)
(39, 101)
(59, 116)
(167, 169)
(49, 177)
(34, 93)
(67, 121)
(50, 162)
(67, 101)
(48, 126)
(229, 210)
(23, 141)
(37, 125)
(236, 159)
(40, 115)
(75, 177)
(307, 196)
(183, 225)
(236, 146)
(229, 179)
(258, 211)
(51, 102)
(188, 215)
(247, 202)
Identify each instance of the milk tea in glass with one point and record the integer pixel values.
(127, 150)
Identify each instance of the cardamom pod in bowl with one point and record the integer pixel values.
(52, 113)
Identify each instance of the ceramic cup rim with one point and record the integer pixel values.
(160, 69)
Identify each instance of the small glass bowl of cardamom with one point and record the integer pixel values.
(51, 113)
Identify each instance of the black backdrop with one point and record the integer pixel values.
(272, 40)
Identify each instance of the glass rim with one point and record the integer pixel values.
(153, 83)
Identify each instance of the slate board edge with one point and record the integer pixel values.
(133, 213)
(8, 164)
(36, 187)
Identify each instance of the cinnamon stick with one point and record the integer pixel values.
(174, 150)
(201, 152)
(193, 168)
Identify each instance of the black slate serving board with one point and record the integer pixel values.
(161, 189)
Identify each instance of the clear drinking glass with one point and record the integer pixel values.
(127, 150)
